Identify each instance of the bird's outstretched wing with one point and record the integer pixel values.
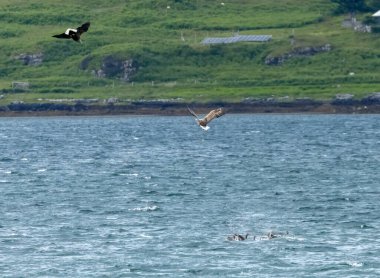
(62, 36)
(83, 28)
(192, 112)
(216, 113)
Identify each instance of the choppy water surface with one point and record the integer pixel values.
(157, 196)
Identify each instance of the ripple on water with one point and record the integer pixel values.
(129, 197)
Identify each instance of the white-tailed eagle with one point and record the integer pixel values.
(202, 122)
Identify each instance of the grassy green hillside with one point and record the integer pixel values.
(164, 39)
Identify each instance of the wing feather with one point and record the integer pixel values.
(62, 36)
(192, 112)
(83, 28)
(216, 113)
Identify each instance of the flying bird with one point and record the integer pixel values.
(216, 113)
(74, 33)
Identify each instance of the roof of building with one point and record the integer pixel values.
(238, 38)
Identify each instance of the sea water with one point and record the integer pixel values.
(156, 196)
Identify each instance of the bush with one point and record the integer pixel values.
(376, 29)
(368, 20)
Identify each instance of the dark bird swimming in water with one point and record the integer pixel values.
(237, 237)
(216, 113)
(74, 33)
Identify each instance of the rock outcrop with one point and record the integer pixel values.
(373, 98)
(35, 59)
(297, 52)
(344, 99)
(116, 67)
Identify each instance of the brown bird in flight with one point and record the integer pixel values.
(216, 113)
(74, 33)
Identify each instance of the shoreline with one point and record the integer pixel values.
(180, 108)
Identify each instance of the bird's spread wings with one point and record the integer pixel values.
(74, 33)
(216, 113)
(62, 36)
(83, 28)
(192, 112)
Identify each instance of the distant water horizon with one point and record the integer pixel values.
(156, 196)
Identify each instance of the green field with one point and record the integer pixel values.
(164, 39)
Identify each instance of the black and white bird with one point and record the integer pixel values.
(74, 33)
(237, 237)
(216, 113)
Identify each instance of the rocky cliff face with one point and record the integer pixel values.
(373, 98)
(114, 67)
(297, 52)
(30, 59)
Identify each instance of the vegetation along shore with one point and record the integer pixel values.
(157, 57)
(342, 105)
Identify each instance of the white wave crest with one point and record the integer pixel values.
(355, 264)
(149, 208)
